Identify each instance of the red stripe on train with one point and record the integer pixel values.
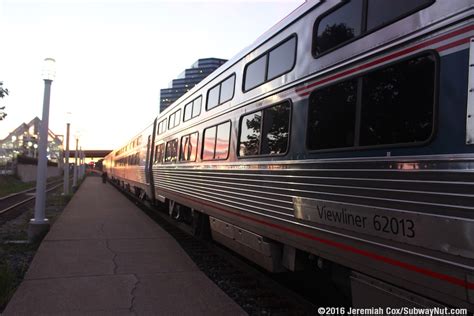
(391, 261)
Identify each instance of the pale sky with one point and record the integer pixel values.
(113, 56)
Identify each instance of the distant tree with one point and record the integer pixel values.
(3, 93)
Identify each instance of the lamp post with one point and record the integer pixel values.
(80, 162)
(66, 156)
(74, 177)
(83, 164)
(39, 225)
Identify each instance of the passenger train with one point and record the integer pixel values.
(346, 134)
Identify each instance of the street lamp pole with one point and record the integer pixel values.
(39, 225)
(83, 163)
(74, 178)
(80, 162)
(66, 161)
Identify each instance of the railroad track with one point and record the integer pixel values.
(250, 287)
(15, 200)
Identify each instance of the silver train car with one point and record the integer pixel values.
(345, 133)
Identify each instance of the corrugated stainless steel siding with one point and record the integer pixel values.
(270, 189)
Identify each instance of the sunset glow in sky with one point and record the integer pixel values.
(113, 57)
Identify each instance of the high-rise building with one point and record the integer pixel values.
(188, 79)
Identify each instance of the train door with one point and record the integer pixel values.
(150, 154)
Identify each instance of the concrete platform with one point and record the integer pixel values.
(104, 256)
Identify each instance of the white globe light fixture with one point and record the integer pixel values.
(49, 69)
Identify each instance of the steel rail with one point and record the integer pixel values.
(28, 199)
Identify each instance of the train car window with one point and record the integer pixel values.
(160, 128)
(331, 119)
(188, 150)
(213, 97)
(356, 18)
(265, 132)
(397, 103)
(383, 12)
(255, 73)
(177, 118)
(209, 145)
(192, 109)
(174, 119)
(276, 124)
(227, 89)
(188, 111)
(159, 153)
(171, 152)
(222, 92)
(250, 128)
(164, 125)
(222, 141)
(197, 107)
(339, 26)
(216, 142)
(282, 59)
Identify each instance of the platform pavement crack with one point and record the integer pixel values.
(132, 293)
(115, 256)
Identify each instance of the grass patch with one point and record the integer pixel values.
(13, 265)
(7, 283)
(11, 184)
